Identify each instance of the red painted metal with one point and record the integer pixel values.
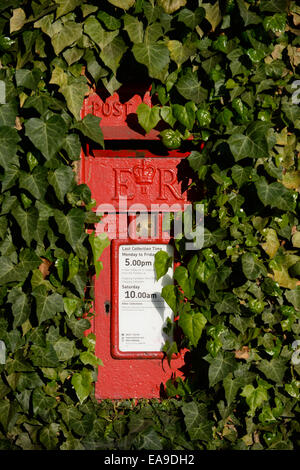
(144, 177)
(134, 375)
(141, 176)
(118, 114)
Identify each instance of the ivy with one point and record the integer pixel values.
(225, 74)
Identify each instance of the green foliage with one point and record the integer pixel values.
(223, 72)
(235, 94)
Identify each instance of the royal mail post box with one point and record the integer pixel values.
(134, 181)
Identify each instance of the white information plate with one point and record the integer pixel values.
(142, 310)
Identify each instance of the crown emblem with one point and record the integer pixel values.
(144, 173)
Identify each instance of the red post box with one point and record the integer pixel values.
(134, 181)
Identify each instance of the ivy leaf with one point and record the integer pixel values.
(273, 369)
(73, 54)
(185, 114)
(171, 5)
(151, 440)
(197, 160)
(190, 87)
(252, 267)
(253, 144)
(69, 34)
(110, 22)
(274, 194)
(169, 295)
(79, 281)
(148, 117)
(10, 175)
(293, 296)
(90, 127)
(47, 136)
(18, 364)
(124, 4)
(28, 260)
(41, 402)
(192, 325)
(248, 16)
(70, 305)
(8, 114)
(272, 243)
(58, 77)
(134, 28)
(65, 6)
(180, 52)
(20, 306)
(113, 52)
(17, 20)
(44, 356)
(64, 348)
(255, 397)
(98, 244)
(205, 270)
(213, 14)
(292, 112)
(48, 436)
(197, 424)
(83, 426)
(9, 139)
(69, 413)
(47, 305)
(72, 146)
(228, 304)
(61, 180)
(275, 23)
(190, 18)
(220, 366)
(231, 387)
(291, 180)
(27, 221)
(162, 262)
(82, 383)
(74, 93)
(71, 225)
(78, 327)
(281, 274)
(152, 33)
(28, 78)
(9, 271)
(170, 348)
(4, 412)
(97, 33)
(273, 5)
(35, 183)
(181, 275)
(88, 357)
(154, 56)
(74, 264)
(241, 174)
